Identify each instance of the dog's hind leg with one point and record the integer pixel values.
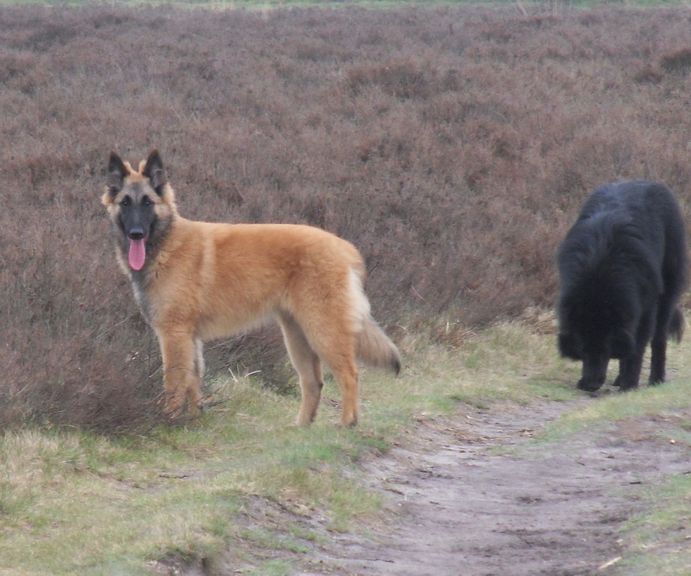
(199, 359)
(629, 372)
(667, 314)
(630, 367)
(328, 317)
(335, 345)
(307, 365)
(199, 371)
(180, 373)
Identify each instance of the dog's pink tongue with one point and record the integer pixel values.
(137, 254)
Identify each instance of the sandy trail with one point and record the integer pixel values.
(472, 496)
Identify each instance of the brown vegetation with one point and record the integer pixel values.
(452, 146)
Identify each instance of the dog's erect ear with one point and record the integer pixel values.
(153, 170)
(117, 171)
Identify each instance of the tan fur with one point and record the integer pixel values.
(209, 281)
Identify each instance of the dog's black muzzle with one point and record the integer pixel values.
(136, 233)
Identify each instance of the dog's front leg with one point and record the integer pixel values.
(180, 376)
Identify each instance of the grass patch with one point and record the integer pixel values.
(659, 538)
(76, 502)
(273, 568)
(671, 396)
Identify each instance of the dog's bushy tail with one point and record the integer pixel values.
(376, 349)
(677, 324)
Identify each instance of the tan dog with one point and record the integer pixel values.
(198, 281)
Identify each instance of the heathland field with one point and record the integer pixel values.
(453, 146)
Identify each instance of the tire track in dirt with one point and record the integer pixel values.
(472, 496)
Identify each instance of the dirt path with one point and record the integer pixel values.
(472, 497)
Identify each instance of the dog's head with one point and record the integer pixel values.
(594, 332)
(141, 206)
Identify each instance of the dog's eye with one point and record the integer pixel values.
(126, 201)
(146, 201)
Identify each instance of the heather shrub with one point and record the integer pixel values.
(677, 60)
(453, 146)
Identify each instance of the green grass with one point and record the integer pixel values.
(77, 503)
(671, 396)
(72, 502)
(659, 540)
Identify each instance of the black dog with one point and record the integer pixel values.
(622, 269)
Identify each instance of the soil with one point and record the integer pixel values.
(473, 497)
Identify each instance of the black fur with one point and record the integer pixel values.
(136, 216)
(116, 174)
(622, 270)
(153, 170)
